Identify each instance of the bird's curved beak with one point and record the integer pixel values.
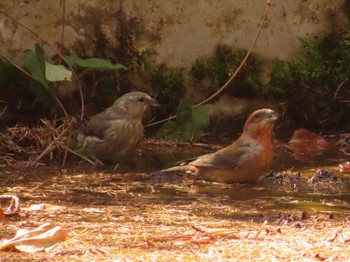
(153, 103)
(272, 116)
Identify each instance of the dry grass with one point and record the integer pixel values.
(149, 217)
(33, 146)
(142, 217)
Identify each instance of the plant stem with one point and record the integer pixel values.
(234, 75)
(44, 42)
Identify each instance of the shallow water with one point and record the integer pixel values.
(135, 184)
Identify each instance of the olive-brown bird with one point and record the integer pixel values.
(243, 161)
(114, 134)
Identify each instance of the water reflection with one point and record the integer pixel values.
(139, 183)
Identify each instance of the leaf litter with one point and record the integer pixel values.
(139, 217)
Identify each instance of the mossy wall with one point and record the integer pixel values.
(179, 48)
(175, 32)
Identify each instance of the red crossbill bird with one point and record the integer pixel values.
(114, 134)
(243, 161)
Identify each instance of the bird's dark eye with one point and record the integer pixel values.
(141, 99)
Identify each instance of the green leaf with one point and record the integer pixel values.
(200, 117)
(200, 120)
(34, 61)
(184, 111)
(42, 93)
(189, 123)
(93, 63)
(57, 73)
(185, 131)
(166, 130)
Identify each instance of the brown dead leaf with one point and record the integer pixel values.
(37, 207)
(306, 144)
(39, 239)
(199, 239)
(44, 207)
(2, 216)
(344, 167)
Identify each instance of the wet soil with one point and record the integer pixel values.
(145, 215)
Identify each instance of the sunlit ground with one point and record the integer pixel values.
(123, 216)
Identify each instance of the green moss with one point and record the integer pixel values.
(198, 70)
(169, 85)
(219, 68)
(314, 83)
(107, 90)
(280, 74)
(313, 86)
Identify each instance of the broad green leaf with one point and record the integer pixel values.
(186, 131)
(93, 63)
(189, 123)
(184, 111)
(200, 120)
(57, 73)
(200, 117)
(42, 93)
(166, 130)
(34, 61)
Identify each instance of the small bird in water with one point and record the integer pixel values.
(243, 161)
(114, 134)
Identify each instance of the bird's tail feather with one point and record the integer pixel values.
(184, 168)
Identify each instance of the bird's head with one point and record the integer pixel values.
(135, 103)
(260, 123)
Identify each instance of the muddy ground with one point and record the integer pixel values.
(148, 216)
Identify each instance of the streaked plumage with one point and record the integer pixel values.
(114, 134)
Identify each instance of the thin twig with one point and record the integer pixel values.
(234, 75)
(343, 151)
(3, 110)
(17, 66)
(54, 131)
(81, 156)
(244, 61)
(63, 3)
(29, 75)
(50, 147)
(336, 234)
(261, 229)
(44, 42)
(66, 148)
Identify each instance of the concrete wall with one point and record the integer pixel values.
(175, 31)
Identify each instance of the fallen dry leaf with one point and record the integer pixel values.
(199, 239)
(39, 239)
(2, 216)
(44, 207)
(305, 144)
(344, 167)
(37, 207)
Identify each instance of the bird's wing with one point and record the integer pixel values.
(103, 121)
(116, 140)
(231, 157)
